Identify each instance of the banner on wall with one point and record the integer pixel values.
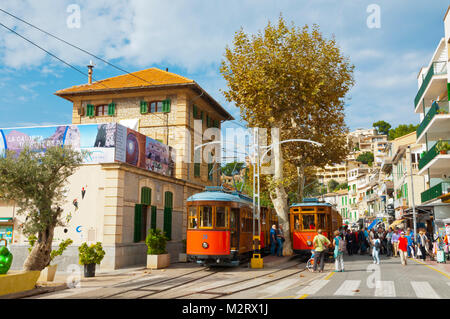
(103, 143)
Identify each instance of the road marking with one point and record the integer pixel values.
(384, 289)
(312, 288)
(348, 288)
(329, 276)
(442, 273)
(281, 285)
(424, 290)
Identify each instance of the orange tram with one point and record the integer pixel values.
(220, 227)
(309, 216)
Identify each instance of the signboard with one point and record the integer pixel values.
(103, 143)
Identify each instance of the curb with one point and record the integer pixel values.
(37, 291)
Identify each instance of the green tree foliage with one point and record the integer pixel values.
(382, 127)
(61, 248)
(332, 185)
(35, 180)
(402, 130)
(230, 169)
(366, 158)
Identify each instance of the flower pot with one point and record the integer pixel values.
(48, 274)
(443, 152)
(158, 261)
(89, 270)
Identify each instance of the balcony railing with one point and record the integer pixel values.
(435, 191)
(432, 153)
(436, 68)
(436, 108)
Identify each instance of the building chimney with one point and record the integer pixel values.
(167, 69)
(90, 67)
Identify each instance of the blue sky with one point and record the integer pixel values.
(189, 38)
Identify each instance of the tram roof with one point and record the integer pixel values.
(220, 197)
(310, 204)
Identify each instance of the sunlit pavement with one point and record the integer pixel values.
(281, 278)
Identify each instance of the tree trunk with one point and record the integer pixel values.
(39, 257)
(279, 196)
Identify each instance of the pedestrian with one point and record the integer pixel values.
(403, 248)
(395, 237)
(273, 239)
(349, 241)
(339, 247)
(422, 242)
(280, 240)
(376, 249)
(410, 237)
(362, 242)
(321, 244)
(355, 242)
(389, 242)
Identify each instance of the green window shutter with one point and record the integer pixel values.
(90, 110)
(144, 107)
(137, 222)
(112, 109)
(146, 196)
(201, 116)
(216, 123)
(195, 111)
(153, 218)
(208, 121)
(196, 169)
(166, 106)
(168, 222)
(168, 200)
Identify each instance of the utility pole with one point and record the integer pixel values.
(412, 197)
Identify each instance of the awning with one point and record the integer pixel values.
(374, 223)
(396, 222)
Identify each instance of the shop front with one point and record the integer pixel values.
(6, 231)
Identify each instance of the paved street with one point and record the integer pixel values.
(282, 278)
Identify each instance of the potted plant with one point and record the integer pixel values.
(89, 256)
(48, 274)
(442, 147)
(182, 257)
(157, 256)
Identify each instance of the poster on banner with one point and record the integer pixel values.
(98, 140)
(142, 151)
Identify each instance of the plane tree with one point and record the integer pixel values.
(296, 80)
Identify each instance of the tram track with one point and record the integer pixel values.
(221, 294)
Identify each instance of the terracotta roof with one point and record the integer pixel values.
(144, 78)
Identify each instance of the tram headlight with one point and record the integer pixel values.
(309, 243)
(205, 245)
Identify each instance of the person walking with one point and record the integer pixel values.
(273, 239)
(280, 240)
(320, 243)
(403, 248)
(349, 240)
(339, 246)
(376, 249)
(422, 242)
(410, 237)
(395, 237)
(389, 242)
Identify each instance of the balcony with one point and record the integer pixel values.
(436, 68)
(436, 162)
(435, 191)
(439, 115)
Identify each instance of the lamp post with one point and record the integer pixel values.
(412, 197)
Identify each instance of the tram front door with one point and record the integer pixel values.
(234, 228)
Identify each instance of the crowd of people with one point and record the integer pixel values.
(393, 242)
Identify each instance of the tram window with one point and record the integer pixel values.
(308, 221)
(205, 217)
(321, 221)
(296, 222)
(222, 217)
(307, 209)
(193, 218)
